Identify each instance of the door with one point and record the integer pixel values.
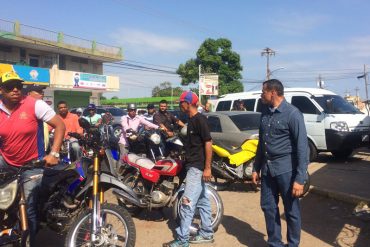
(314, 119)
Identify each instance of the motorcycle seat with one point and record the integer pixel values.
(140, 161)
(231, 150)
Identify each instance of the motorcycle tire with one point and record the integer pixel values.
(130, 181)
(85, 218)
(216, 220)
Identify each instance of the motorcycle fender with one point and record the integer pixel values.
(108, 179)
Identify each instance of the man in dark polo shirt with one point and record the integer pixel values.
(281, 162)
(165, 119)
(198, 165)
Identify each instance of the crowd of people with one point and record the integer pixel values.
(281, 160)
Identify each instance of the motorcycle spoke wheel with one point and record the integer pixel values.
(116, 229)
(137, 184)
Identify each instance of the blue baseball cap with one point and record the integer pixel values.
(91, 107)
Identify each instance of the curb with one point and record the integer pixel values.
(349, 198)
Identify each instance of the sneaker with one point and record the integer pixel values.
(176, 243)
(199, 239)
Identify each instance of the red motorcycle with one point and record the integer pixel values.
(158, 183)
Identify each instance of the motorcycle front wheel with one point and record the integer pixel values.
(217, 210)
(117, 229)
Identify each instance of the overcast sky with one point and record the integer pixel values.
(330, 38)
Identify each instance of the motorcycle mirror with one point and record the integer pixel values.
(84, 123)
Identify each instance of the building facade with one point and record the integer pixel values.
(70, 67)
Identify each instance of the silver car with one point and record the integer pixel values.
(232, 128)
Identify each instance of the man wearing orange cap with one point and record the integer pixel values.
(21, 128)
(198, 155)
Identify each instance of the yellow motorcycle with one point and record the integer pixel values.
(231, 164)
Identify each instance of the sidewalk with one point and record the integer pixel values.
(347, 181)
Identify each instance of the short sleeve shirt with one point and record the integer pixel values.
(198, 134)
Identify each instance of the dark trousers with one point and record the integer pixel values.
(271, 187)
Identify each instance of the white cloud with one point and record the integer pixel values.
(143, 41)
(297, 24)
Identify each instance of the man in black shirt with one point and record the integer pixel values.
(165, 119)
(198, 165)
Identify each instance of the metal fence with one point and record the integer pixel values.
(59, 39)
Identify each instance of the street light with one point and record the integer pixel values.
(272, 71)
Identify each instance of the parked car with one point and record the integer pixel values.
(117, 113)
(232, 128)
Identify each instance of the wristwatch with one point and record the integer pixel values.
(55, 154)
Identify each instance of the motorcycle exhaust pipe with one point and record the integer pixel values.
(127, 197)
(221, 172)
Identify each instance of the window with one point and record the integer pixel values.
(214, 124)
(304, 104)
(34, 60)
(246, 121)
(223, 106)
(62, 62)
(259, 106)
(249, 104)
(335, 104)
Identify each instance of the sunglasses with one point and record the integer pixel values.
(10, 87)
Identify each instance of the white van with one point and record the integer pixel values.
(332, 123)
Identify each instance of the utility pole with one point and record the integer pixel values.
(320, 82)
(365, 74)
(267, 52)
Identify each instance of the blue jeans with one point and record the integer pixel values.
(195, 196)
(31, 185)
(270, 189)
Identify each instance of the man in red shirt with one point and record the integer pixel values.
(21, 128)
(71, 122)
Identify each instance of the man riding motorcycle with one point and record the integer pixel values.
(71, 122)
(132, 122)
(21, 138)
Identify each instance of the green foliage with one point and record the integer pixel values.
(114, 97)
(215, 56)
(140, 102)
(164, 90)
(103, 97)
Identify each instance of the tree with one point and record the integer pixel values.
(215, 56)
(114, 97)
(164, 90)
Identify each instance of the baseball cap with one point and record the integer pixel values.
(9, 77)
(91, 107)
(150, 106)
(189, 97)
(34, 87)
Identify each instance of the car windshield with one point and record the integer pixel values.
(334, 104)
(246, 121)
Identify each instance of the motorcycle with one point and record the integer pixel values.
(157, 182)
(236, 164)
(57, 183)
(99, 223)
(13, 215)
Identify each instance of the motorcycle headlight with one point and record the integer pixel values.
(7, 195)
(155, 138)
(339, 126)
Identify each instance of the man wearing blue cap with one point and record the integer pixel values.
(93, 118)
